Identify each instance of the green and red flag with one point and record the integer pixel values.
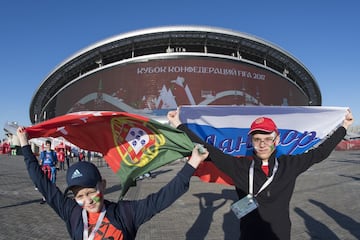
(131, 144)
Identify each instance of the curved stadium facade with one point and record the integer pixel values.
(153, 70)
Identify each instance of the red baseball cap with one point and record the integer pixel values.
(263, 124)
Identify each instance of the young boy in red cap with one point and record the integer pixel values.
(88, 215)
(264, 182)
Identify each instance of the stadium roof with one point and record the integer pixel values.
(173, 41)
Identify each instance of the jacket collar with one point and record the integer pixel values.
(258, 161)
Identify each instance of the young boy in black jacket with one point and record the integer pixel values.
(264, 182)
(88, 215)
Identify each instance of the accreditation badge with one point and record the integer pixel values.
(244, 206)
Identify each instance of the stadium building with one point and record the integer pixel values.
(150, 71)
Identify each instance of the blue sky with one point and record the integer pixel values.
(36, 36)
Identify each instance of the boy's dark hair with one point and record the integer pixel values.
(47, 142)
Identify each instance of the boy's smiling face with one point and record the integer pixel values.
(91, 199)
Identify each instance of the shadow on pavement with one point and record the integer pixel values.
(343, 220)
(208, 205)
(316, 229)
(21, 203)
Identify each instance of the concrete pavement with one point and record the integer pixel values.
(325, 204)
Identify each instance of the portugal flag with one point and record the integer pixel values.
(131, 144)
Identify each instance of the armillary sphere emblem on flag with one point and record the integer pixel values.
(136, 142)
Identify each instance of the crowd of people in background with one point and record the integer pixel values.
(53, 159)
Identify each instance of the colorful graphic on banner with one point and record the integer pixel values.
(154, 86)
(227, 127)
(131, 144)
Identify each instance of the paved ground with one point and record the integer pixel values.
(325, 204)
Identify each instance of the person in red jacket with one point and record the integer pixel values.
(61, 158)
(264, 182)
(88, 215)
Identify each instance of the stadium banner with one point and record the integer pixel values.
(226, 127)
(132, 145)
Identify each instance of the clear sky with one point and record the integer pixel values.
(36, 36)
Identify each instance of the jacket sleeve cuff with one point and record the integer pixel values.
(181, 127)
(187, 171)
(26, 150)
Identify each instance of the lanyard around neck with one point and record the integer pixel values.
(268, 181)
(86, 224)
